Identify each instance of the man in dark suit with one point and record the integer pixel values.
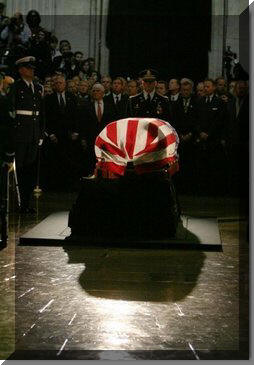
(62, 127)
(184, 116)
(117, 99)
(96, 115)
(29, 124)
(210, 127)
(148, 103)
(237, 139)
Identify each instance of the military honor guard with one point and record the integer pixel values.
(29, 125)
(149, 103)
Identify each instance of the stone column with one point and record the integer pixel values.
(216, 53)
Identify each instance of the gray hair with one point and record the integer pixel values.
(98, 86)
(186, 81)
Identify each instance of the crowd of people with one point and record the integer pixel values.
(71, 103)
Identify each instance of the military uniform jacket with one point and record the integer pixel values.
(29, 119)
(6, 130)
(159, 107)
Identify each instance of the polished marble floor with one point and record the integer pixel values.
(125, 304)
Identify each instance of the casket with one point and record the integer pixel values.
(131, 195)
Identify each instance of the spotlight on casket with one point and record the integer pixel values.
(131, 195)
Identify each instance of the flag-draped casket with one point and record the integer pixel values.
(131, 195)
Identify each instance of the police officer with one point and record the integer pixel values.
(149, 103)
(27, 101)
(6, 153)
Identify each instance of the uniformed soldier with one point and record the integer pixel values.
(149, 103)
(6, 153)
(27, 101)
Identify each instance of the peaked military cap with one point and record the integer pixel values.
(28, 61)
(148, 75)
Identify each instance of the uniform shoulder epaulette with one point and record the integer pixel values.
(134, 96)
(163, 96)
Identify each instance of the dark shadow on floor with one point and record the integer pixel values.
(138, 274)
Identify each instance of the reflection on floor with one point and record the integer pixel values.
(125, 304)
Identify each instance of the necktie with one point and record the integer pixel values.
(62, 103)
(116, 99)
(185, 105)
(99, 112)
(207, 100)
(148, 98)
(31, 87)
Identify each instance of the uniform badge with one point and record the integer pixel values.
(159, 109)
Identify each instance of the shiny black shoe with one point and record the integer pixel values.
(27, 210)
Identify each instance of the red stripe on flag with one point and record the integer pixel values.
(163, 143)
(100, 143)
(112, 132)
(152, 133)
(112, 167)
(151, 166)
(131, 135)
(158, 122)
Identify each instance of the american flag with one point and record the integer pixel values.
(150, 144)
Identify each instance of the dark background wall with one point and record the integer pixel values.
(172, 36)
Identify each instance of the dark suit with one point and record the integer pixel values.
(119, 108)
(28, 131)
(64, 157)
(184, 119)
(159, 107)
(90, 127)
(61, 121)
(212, 118)
(237, 137)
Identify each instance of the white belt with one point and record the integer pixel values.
(27, 112)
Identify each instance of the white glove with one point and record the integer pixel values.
(40, 142)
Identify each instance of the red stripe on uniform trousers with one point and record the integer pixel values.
(112, 132)
(105, 146)
(131, 135)
(162, 144)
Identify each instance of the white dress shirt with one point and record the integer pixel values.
(101, 105)
(29, 83)
(174, 97)
(63, 95)
(116, 97)
(151, 94)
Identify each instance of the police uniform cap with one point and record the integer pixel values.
(28, 62)
(148, 75)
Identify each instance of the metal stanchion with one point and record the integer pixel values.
(4, 205)
(16, 183)
(37, 190)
